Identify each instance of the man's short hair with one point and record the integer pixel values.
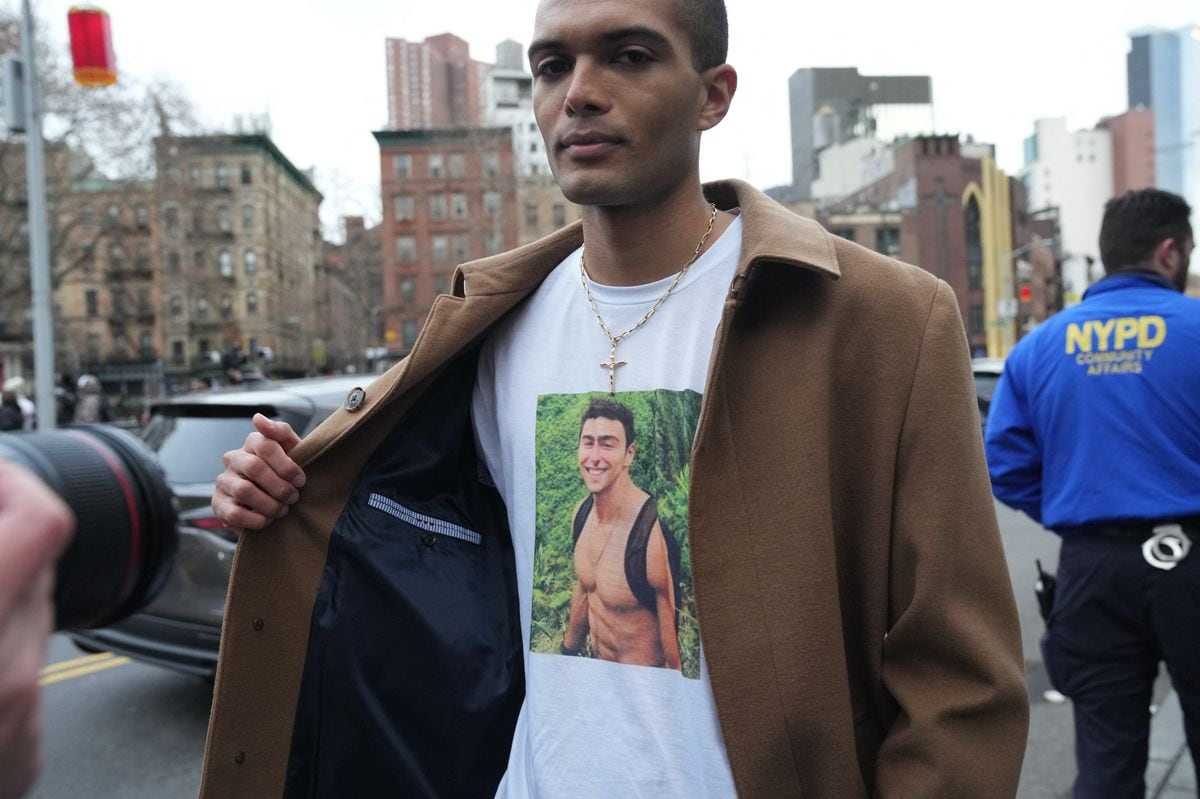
(707, 26)
(1136, 223)
(602, 408)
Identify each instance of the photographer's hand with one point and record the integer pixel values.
(35, 527)
(260, 481)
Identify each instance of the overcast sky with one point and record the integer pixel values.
(317, 67)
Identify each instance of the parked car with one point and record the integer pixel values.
(181, 628)
(987, 375)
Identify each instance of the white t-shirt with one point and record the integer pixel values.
(594, 727)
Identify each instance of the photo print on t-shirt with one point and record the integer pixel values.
(612, 576)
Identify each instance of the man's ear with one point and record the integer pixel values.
(1165, 254)
(720, 83)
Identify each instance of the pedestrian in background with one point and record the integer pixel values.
(91, 406)
(1094, 431)
(20, 390)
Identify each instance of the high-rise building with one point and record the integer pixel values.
(1132, 148)
(435, 84)
(449, 196)
(832, 106)
(1073, 172)
(1162, 68)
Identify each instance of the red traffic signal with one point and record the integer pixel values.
(1025, 293)
(91, 47)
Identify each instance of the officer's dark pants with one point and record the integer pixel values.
(1114, 618)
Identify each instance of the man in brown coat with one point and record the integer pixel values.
(858, 632)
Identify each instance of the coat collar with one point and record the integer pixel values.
(770, 232)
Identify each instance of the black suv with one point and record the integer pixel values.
(181, 628)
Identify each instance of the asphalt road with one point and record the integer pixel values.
(131, 731)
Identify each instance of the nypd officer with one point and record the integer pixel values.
(1094, 431)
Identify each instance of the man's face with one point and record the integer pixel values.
(603, 455)
(617, 98)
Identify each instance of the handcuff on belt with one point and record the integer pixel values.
(1167, 547)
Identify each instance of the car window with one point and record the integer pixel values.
(985, 384)
(191, 441)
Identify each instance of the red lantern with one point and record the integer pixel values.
(91, 47)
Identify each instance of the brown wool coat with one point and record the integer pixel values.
(857, 614)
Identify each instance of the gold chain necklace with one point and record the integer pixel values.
(612, 363)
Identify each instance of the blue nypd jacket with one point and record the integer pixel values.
(1097, 415)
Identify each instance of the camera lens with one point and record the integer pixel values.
(125, 519)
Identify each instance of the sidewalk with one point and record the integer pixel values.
(1170, 774)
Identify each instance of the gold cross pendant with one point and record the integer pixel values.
(611, 365)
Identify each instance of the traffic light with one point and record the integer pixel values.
(91, 47)
(1025, 293)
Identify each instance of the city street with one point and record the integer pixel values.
(120, 729)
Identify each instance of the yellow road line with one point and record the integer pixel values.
(63, 665)
(83, 671)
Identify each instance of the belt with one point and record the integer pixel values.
(1140, 530)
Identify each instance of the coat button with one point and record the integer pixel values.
(239, 758)
(428, 539)
(355, 399)
(258, 625)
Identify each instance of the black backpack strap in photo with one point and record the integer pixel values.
(635, 558)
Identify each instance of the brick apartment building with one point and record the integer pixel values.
(434, 84)
(239, 240)
(449, 196)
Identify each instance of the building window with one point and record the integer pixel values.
(198, 264)
(458, 206)
(221, 175)
(975, 314)
(194, 174)
(91, 298)
(247, 218)
(201, 309)
(177, 352)
(974, 243)
(462, 247)
(116, 257)
(492, 200)
(146, 345)
(87, 215)
(437, 206)
(141, 259)
(223, 222)
(493, 242)
(226, 307)
(402, 207)
(846, 233)
(175, 306)
(887, 240)
(531, 214)
(225, 263)
(406, 249)
(458, 165)
(408, 289)
(437, 166)
(491, 164)
(247, 175)
(198, 219)
(171, 219)
(143, 300)
(560, 214)
(250, 261)
(441, 284)
(141, 215)
(252, 303)
(402, 166)
(440, 247)
(533, 147)
(173, 262)
(409, 329)
(113, 212)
